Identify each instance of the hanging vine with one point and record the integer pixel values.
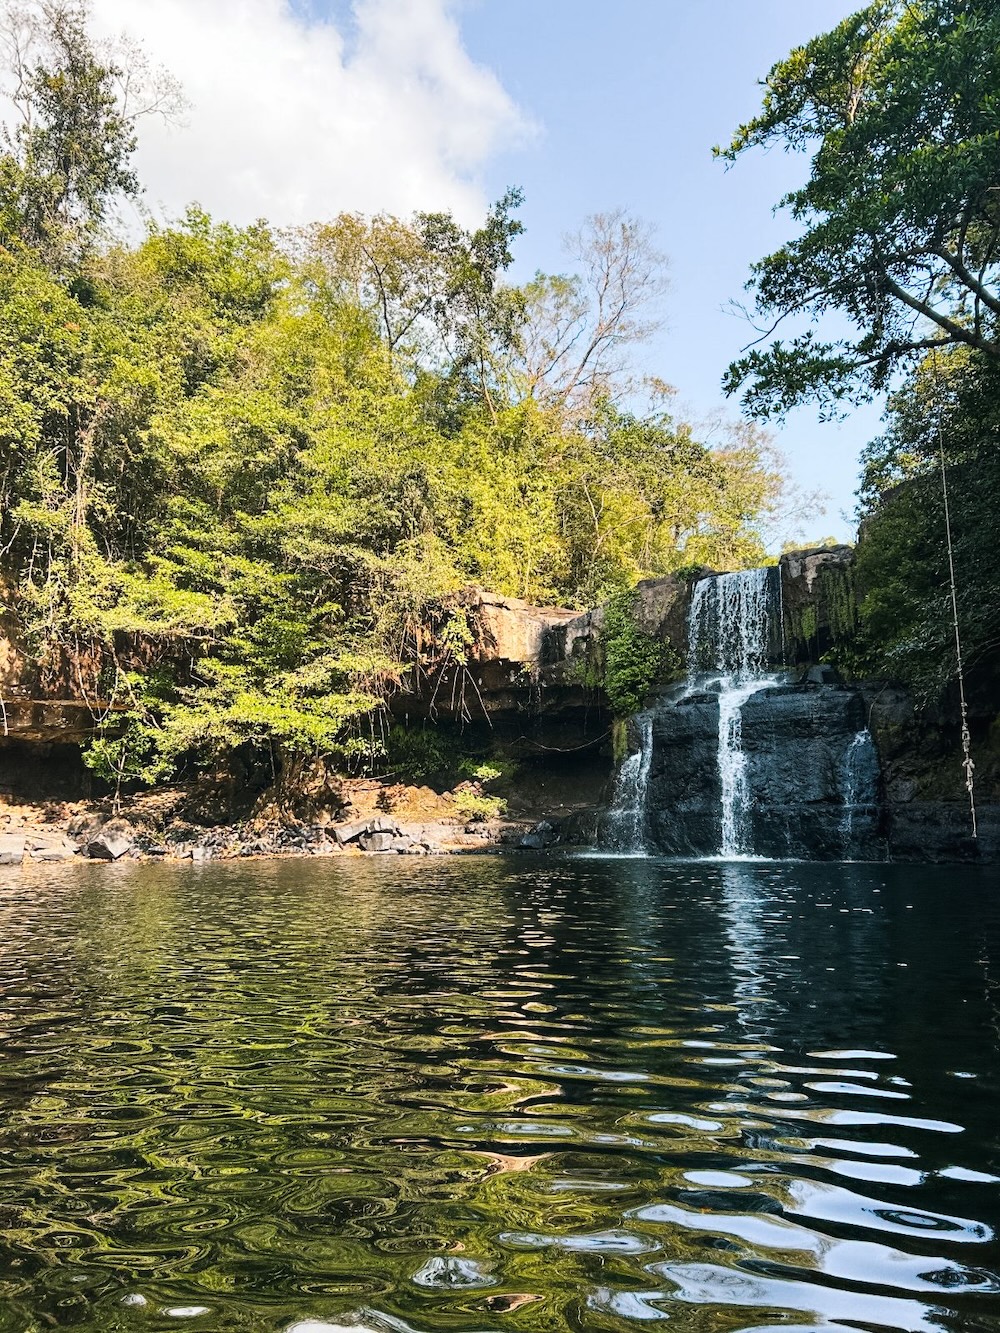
(967, 762)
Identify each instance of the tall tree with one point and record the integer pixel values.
(433, 290)
(579, 329)
(70, 140)
(899, 106)
(946, 412)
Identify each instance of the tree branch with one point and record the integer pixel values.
(970, 280)
(957, 331)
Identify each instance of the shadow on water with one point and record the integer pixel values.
(531, 1093)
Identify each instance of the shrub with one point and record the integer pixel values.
(634, 661)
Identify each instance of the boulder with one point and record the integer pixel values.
(383, 824)
(365, 830)
(108, 847)
(11, 849)
(52, 849)
(510, 630)
(345, 833)
(541, 836)
(377, 842)
(822, 674)
(526, 668)
(661, 609)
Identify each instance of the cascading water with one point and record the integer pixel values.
(744, 759)
(729, 624)
(859, 785)
(729, 632)
(627, 816)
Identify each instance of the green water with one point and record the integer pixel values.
(486, 1094)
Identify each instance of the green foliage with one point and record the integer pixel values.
(486, 771)
(586, 672)
(634, 661)
(902, 561)
(642, 495)
(427, 753)
(124, 752)
(619, 740)
(422, 754)
(241, 471)
(896, 227)
(477, 807)
(70, 154)
(212, 466)
(833, 604)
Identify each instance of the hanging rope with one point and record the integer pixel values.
(967, 764)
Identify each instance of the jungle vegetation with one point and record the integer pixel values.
(891, 282)
(238, 464)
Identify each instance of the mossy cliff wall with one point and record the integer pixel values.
(819, 602)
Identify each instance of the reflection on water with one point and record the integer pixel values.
(477, 1095)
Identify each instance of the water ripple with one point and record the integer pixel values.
(470, 1096)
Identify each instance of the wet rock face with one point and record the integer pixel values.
(942, 831)
(684, 791)
(812, 789)
(661, 609)
(798, 743)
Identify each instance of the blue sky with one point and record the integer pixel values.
(628, 100)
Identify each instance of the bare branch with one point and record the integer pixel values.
(578, 327)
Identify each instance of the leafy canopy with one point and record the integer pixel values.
(238, 470)
(899, 221)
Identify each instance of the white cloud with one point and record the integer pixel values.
(293, 120)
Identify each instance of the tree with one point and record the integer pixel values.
(383, 266)
(900, 218)
(949, 405)
(225, 484)
(641, 495)
(477, 316)
(579, 328)
(68, 154)
(432, 290)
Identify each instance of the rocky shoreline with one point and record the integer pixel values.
(32, 834)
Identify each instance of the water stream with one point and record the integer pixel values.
(729, 633)
(859, 784)
(627, 825)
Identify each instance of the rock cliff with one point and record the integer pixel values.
(530, 679)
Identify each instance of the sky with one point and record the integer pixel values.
(300, 109)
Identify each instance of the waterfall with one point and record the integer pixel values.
(735, 840)
(793, 774)
(858, 784)
(729, 633)
(628, 808)
(729, 624)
